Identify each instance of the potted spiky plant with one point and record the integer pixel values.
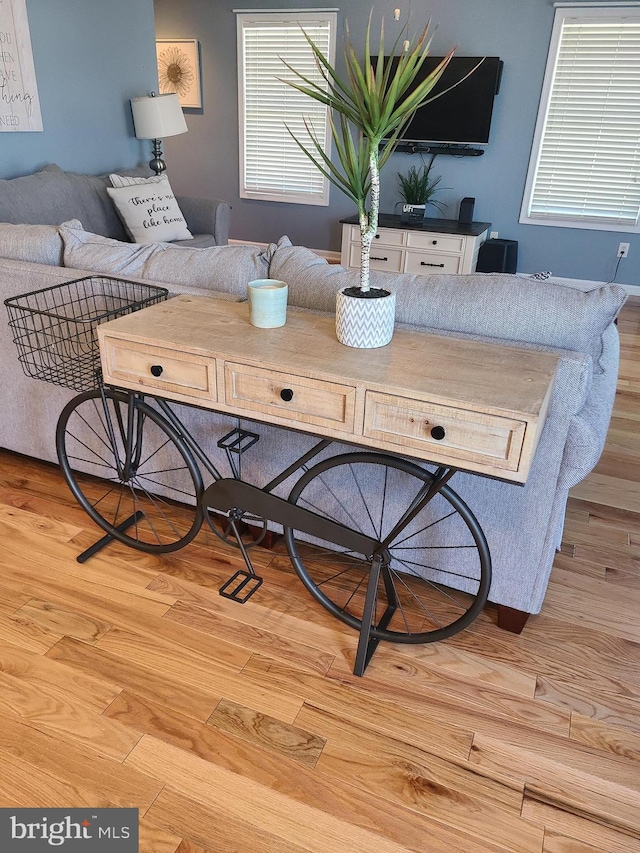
(368, 111)
(418, 189)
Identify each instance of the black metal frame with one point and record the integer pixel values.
(233, 497)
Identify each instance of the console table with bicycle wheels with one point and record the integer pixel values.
(382, 542)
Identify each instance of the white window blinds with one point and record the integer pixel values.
(272, 166)
(585, 165)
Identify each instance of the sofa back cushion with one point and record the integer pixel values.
(40, 244)
(227, 269)
(507, 307)
(52, 196)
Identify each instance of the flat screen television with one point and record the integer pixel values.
(461, 116)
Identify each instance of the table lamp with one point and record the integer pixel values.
(154, 117)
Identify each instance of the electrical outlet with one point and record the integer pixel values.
(623, 250)
(493, 235)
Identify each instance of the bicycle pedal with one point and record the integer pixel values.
(238, 440)
(241, 582)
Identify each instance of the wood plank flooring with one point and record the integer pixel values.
(130, 682)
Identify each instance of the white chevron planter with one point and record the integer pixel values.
(365, 323)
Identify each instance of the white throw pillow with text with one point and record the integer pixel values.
(150, 212)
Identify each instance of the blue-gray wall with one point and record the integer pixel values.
(205, 160)
(90, 57)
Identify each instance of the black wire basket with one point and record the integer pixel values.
(55, 329)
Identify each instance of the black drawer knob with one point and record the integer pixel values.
(374, 258)
(438, 433)
(434, 242)
(287, 395)
(426, 264)
(156, 370)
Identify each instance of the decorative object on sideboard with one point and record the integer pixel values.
(418, 189)
(364, 322)
(154, 117)
(465, 211)
(368, 110)
(267, 300)
(179, 70)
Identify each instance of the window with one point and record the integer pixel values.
(585, 164)
(272, 166)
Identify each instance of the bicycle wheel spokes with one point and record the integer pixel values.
(436, 574)
(155, 481)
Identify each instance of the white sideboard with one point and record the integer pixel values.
(434, 246)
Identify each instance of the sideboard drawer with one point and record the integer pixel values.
(381, 258)
(296, 398)
(423, 263)
(385, 237)
(457, 433)
(158, 369)
(437, 242)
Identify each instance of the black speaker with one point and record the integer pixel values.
(465, 214)
(498, 256)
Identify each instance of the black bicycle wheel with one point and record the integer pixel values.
(436, 574)
(130, 470)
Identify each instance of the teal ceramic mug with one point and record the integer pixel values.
(267, 303)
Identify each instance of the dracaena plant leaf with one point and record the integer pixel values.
(368, 110)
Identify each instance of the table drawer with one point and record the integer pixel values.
(296, 398)
(381, 258)
(423, 263)
(177, 372)
(437, 242)
(457, 433)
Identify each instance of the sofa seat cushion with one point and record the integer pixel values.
(502, 306)
(40, 244)
(198, 241)
(227, 269)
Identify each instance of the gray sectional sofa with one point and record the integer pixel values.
(523, 524)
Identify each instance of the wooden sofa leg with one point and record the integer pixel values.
(510, 619)
(271, 539)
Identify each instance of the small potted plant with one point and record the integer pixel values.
(418, 189)
(369, 109)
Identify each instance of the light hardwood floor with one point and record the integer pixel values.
(130, 682)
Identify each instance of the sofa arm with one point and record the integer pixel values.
(207, 216)
(588, 429)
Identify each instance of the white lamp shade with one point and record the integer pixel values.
(155, 117)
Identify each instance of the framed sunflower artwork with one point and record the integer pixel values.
(179, 70)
